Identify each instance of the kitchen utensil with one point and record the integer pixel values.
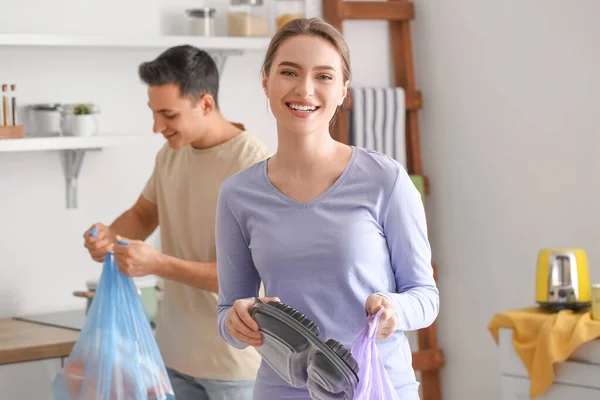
(201, 21)
(292, 347)
(5, 106)
(45, 119)
(563, 279)
(85, 294)
(13, 105)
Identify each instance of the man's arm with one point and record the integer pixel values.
(138, 222)
(202, 275)
(139, 258)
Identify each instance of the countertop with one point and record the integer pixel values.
(22, 341)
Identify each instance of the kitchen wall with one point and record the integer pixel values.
(509, 134)
(41, 254)
(510, 130)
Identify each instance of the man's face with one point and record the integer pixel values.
(177, 118)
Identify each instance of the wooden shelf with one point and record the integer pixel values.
(217, 43)
(71, 143)
(377, 10)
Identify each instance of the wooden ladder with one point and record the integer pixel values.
(429, 359)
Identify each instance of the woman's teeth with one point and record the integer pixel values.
(302, 108)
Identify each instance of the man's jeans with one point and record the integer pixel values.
(189, 388)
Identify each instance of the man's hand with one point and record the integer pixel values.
(100, 243)
(137, 258)
(387, 323)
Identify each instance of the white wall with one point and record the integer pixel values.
(42, 260)
(509, 134)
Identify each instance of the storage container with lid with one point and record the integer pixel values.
(288, 10)
(201, 21)
(44, 119)
(248, 18)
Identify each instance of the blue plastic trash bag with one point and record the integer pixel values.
(374, 382)
(116, 356)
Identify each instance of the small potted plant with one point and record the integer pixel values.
(81, 122)
(82, 109)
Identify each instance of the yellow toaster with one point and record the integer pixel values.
(563, 279)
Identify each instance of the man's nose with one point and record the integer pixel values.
(159, 125)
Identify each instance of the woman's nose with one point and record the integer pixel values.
(305, 88)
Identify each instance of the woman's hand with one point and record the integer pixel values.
(240, 323)
(387, 323)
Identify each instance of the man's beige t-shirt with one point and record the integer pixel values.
(185, 185)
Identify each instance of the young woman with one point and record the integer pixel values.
(331, 230)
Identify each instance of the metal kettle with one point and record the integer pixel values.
(563, 279)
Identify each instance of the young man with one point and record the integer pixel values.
(202, 150)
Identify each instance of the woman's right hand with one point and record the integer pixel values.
(240, 323)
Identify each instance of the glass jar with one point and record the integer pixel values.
(201, 21)
(248, 18)
(288, 10)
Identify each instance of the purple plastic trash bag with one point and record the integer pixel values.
(374, 382)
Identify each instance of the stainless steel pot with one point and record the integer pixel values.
(44, 119)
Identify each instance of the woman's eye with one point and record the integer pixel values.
(288, 73)
(171, 116)
(325, 77)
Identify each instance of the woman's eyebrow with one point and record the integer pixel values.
(298, 66)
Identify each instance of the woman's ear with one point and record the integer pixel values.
(265, 80)
(344, 93)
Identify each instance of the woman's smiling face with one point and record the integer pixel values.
(305, 84)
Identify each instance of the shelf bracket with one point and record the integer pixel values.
(72, 160)
(220, 56)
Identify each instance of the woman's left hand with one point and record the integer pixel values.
(387, 323)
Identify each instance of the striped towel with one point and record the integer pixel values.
(378, 121)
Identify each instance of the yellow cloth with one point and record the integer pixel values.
(542, 338)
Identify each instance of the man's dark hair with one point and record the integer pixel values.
(192, 69)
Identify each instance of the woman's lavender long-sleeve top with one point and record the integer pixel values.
(366, 234)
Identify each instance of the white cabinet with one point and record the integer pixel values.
(514, 388)
(576, 378)
(30, 380)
